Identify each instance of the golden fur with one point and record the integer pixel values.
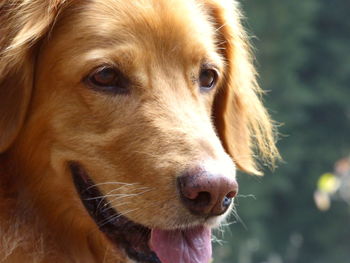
(48, 116)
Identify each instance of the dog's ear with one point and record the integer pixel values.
(241, 120)
(23, 24)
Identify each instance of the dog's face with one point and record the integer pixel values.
(132, 102)
(129, 100)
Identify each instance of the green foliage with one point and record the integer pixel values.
(303, 58)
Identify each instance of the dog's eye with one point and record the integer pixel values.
(108, 79)
(207, 79)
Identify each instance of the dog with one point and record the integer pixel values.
(122, 124)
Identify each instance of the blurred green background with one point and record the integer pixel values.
(302, 53)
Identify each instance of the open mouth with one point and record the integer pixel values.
(140, 243)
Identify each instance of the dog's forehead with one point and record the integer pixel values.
(161, 25)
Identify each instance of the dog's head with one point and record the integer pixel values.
(143, 109)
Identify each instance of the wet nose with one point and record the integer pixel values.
(206, 192)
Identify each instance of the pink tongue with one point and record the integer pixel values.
(182, 246)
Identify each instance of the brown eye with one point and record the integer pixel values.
(207, 79)
(104, 77)
(108, 79)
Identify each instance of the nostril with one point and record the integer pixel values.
(231, 194)
(203, 199)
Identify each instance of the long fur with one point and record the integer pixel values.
(48, 119)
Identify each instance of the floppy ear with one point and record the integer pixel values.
(241, 120)
(23, 24)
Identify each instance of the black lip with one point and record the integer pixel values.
(132, 237)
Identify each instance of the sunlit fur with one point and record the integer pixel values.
(133, 146)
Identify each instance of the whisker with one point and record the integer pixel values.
(238, 218)
(113, 217)
(120, 196)
(113, 195)
(217, 240)
(109, 194)
(138, 188)
(104, 196)
(110, 203)
(246, 196)
(110, 183)
(217, 29)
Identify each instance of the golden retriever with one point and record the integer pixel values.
(121, 126)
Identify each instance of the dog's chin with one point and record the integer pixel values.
(141, 243)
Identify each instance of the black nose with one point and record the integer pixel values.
(206, 193)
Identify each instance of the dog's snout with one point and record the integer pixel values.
(205, 192)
